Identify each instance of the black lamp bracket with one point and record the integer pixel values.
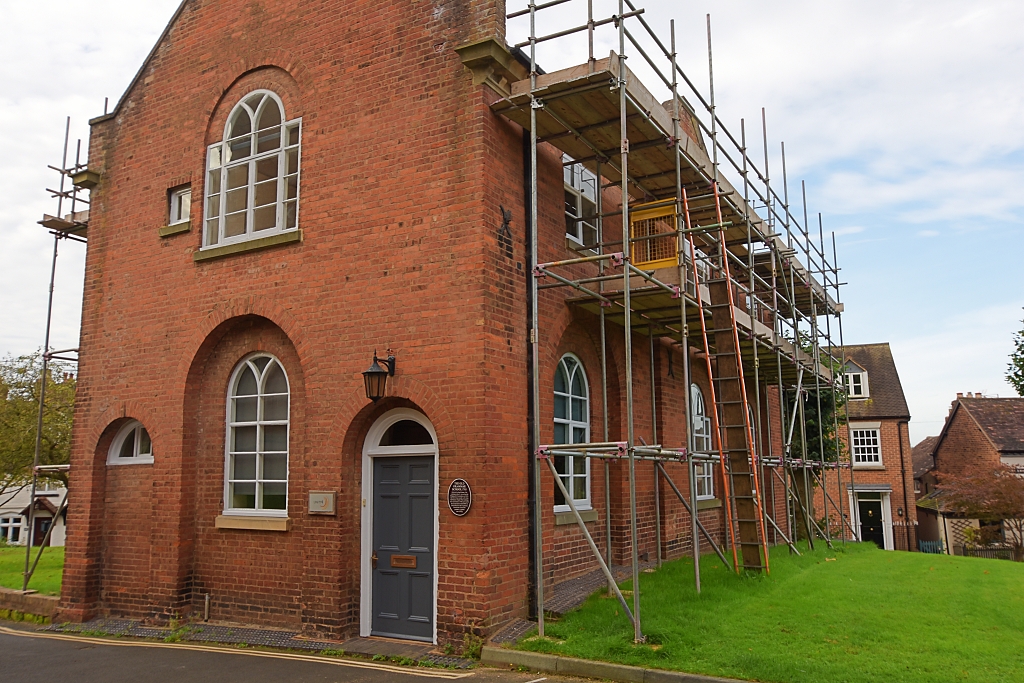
(389, 361)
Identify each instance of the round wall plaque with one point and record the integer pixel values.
(460, 497)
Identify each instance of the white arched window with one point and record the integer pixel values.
(131, 446)
(701, 425)
(572, 425)
(256, 477)
(252, 175)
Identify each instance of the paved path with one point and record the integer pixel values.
(30, 656)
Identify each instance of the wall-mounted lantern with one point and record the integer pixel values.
(376, 377)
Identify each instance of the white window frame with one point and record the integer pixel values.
(571, 426)
(704, 472)
(866, 442)
(13, 523)
(180, 210)
(138, 436)
(858, 379)
(260, 423)
(218, 164)
(581, 185)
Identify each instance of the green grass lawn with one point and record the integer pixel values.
(48, 573)
(869, 615)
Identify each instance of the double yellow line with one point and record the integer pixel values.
(317, 659)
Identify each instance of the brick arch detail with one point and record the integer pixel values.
(357, 414)
(275, 70)
(256, 305)
(121, 410)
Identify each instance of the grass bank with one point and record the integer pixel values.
(852, 616)
(48, 573)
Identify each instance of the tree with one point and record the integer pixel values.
(1015, 370)
(991, 495)
(20, 384)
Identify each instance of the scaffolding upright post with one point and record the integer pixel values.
(535, 322)
(684, 325)
(26, 575)
(654, 439)
(816, 350)
(604, 370)
(638, 635)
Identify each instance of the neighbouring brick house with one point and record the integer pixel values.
(280, 199)
(881, 497)
(979, 432)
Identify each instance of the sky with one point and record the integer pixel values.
(902, 118)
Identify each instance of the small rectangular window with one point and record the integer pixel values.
(181, 205)
(867, 450)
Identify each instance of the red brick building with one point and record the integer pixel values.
(880, 500)
(979, 433)
(280, 199)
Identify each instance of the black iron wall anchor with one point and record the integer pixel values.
(505, 232)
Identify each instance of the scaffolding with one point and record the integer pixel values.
(711, 255)
(73, 226)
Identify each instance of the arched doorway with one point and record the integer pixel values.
(398, 588)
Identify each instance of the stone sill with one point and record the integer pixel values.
(569, 518)
(250, 245)
(176, 229)
(858, 468)
(709, 504)
(252, 523)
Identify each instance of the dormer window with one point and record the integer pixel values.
(856, 381)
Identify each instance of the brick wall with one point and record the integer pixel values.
(965, 448)
(404, 170)
(899, 477)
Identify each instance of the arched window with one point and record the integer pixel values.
(131, 446)
(701, 425)
(257, 440)
(252, 176)
(572, 425)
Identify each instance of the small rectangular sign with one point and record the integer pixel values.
(321, 502)
(403, 561)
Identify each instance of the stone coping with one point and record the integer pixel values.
(570, 666)
(28, 603)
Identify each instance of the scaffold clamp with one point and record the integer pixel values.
(617, 259)
(543, 453)
(538, 272)
(676, 292)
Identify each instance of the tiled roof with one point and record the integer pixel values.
(1002, 420)
(923, 455)
(886, 392)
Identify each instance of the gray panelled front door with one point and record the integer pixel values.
(403, 547)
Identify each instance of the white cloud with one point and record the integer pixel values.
(928, 233)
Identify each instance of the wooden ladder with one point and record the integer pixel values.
(730, 410)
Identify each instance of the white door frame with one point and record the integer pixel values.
(370, 451)
(887, 539)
